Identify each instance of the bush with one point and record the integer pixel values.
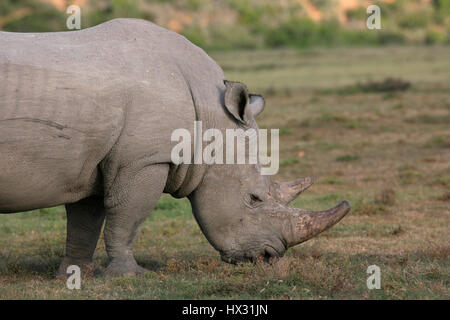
(115, 9)
(196, 35)
(359, 37)
(387, 197)
(232, 37)
(301, 32)
(414, 20)
(385, 85)
(42, 17)
(433, 37)
(443, 6)
(358, 14)
(258, 24)
(390, 37)
(347, 157)
(249, 14)
(221, 37)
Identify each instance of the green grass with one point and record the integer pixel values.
(386, 153)
(347, 157)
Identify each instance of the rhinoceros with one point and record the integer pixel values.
(86, 119)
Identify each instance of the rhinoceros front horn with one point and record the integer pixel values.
(302, 225)
(285, 192)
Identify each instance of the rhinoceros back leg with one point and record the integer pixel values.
(129, 201)
(84, 223)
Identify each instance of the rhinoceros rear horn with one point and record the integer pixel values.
(304, 224)
(287, 191)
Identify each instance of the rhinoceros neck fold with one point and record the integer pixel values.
(206, 89)
(184, 179)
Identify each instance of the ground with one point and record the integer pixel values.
(384, 149)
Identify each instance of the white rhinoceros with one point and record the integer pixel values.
(86, 119)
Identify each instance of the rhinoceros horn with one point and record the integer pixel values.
(300, 225)
(287, 191)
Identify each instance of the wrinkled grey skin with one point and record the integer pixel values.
(86, 119)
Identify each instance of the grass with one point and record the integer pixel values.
(393, 168)
(347, 157)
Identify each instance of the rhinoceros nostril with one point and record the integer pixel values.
(267, 257)
(270, 254)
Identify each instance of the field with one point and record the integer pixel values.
(384, 145)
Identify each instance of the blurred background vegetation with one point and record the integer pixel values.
(369, 118)
(250, 24)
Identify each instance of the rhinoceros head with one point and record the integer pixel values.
(245, 215)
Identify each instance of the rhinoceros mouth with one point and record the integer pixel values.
(268, 254)
(271, 253)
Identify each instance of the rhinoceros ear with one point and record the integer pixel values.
(237, 101)
(257, 104)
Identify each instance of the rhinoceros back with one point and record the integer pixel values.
(64, 103)
(62, 107)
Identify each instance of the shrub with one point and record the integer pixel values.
(249, 14)
(299, 32)
(433, 37)
(385, 85)
(386, 197)
(221, 37)
(288, 162)
(347, 157)
(232, 37)
(368, 209)
(390, 37)
(414, 20)
(358, 37)
(115, 9)
(42, 17)
(196, 35)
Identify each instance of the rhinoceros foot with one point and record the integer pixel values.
(88, 268)
(124, 268)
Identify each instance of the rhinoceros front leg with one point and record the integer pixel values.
(84, 223)
(129, 201)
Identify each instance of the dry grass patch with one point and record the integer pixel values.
(397, 186)
(387, 197)
(444, 197)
